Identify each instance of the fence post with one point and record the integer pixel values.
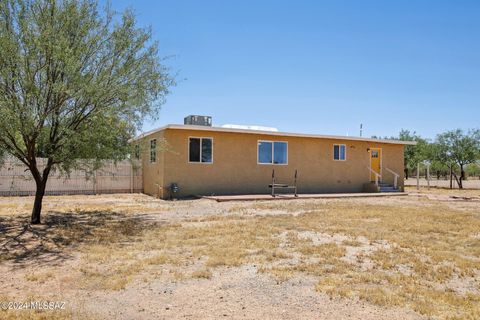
(418, 176)
(451, 177)
(131, 177)
(428, 176)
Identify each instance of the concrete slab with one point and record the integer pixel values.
(261, 197)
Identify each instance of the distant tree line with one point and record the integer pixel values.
(454, 154)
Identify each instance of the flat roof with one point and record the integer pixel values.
(270, 133)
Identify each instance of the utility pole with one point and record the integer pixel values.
(361, 129)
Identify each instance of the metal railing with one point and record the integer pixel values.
(395, 175)
(378, 176)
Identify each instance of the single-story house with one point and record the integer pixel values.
(207, 160)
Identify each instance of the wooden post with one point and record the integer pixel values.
(295, 183)
(428, 176)
(451, 177)
(131, 177)
(418, 176)
(273, 183)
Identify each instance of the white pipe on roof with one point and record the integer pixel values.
(248, 127)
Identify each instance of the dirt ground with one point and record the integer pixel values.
(130, 256)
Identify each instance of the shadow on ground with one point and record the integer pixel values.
(60, 233)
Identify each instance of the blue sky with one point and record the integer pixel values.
(320, 66)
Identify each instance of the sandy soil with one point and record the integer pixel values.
(231, 293)
(238, 293)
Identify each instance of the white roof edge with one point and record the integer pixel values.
(270, 133)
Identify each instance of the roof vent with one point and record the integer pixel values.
(198, 120)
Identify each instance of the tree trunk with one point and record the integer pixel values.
(451, 177)
(41, 182)
(406, 173)
(37, 204)
(459, 181)
(462, 177)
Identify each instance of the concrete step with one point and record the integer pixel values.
(388, 188)
(382, 187)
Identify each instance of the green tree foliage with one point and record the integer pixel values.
(458, 148)
(473, 169)
(438, 168)
(414, 154)
(75, 83)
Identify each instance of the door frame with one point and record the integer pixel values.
(381, 162)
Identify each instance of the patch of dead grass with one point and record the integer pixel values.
(202, 274)
(426, 247)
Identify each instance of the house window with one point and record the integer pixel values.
(200, 150)
(374, 153)
(272, 152)
(153, 150)
(339, 152)
(137, 152)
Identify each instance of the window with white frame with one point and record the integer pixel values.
(200, 150)
(339, 152)
(153, 150)
(272, 152)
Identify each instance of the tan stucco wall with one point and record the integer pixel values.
(153, 173)
(235, 170)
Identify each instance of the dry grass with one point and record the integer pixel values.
(204, 273)
(427, 247)
(417, 254)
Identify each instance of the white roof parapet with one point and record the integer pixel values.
(271, 133)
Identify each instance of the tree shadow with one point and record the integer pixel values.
(56, 239)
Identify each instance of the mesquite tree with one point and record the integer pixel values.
(413, 154)
(75, 83)
(457, 148)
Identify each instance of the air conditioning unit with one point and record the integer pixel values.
(198, 120)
